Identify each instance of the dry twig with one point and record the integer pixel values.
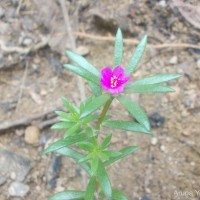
(26, 121)
(24, 50)
(134, 41)
(73, 42)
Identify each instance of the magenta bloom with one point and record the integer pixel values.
(113, 80)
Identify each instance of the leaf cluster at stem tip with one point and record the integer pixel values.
(82, 124)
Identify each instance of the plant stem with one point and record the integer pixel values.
(103, 113)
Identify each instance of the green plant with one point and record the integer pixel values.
(82, 125)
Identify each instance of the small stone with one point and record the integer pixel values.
(156, 120)
(2, 12)
(52, 174)
(163, 148)
(154, 140)
(3, 180)
(13, 162)
(19, 132)
(18, 189)
(13, 175)
(173, 60)
(198, 63)
(186, 132)
(27, 41)
(32, 134)
(43, 92)
(145, 198)
(83, 50)
(162, 3)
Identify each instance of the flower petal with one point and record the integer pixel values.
(117, 90)
(106, 73)
(118, 71)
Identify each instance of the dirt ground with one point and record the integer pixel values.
(32, 43)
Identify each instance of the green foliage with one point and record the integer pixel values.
(124, 152)
(90, 189)
(154, 88)
(104, 181)
(127, 126)
(65, 142)
(134, 61)
(118, 52)
(136, 111)
(92, 104)
(82, 125)
(68, 195)
(117, 195)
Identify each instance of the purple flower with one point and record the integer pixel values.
(113, 80)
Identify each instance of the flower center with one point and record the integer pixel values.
(113, 81)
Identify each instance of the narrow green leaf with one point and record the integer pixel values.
(118, 52)
(136, 111)
(86, 158)
(118, 195)
(127, 126)
(90, 118)
(82, 62)
(62, 125)
(94, 104)
(106, 141)
(83, 73)
(89, 195)
(103, 156)
(124, 152)
(154, 88)
(69, 106)
(94, 165)
(68, 195)
(96, 89)
(65, 142)
(63, 116)
(112, 153)
(104, 181)
(158, 78)
(136, 56)
(75, 155)
(87, 146)
(73, 130)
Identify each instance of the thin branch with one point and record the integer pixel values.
(24, 121)
(72, 41)
(134, 41)
(26, 50)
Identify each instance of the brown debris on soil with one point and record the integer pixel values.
(35, 32)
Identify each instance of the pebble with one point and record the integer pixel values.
(162, 148)
(83, 50)
(32, 134)
(13, 175)
(12, 162)
(198, 63)
(27, 41)
(173, 60)
(156, 120)
(3, 180)
(154, 140)
(52, 175)
(145, 198)
(18, 189)
(2, 12)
